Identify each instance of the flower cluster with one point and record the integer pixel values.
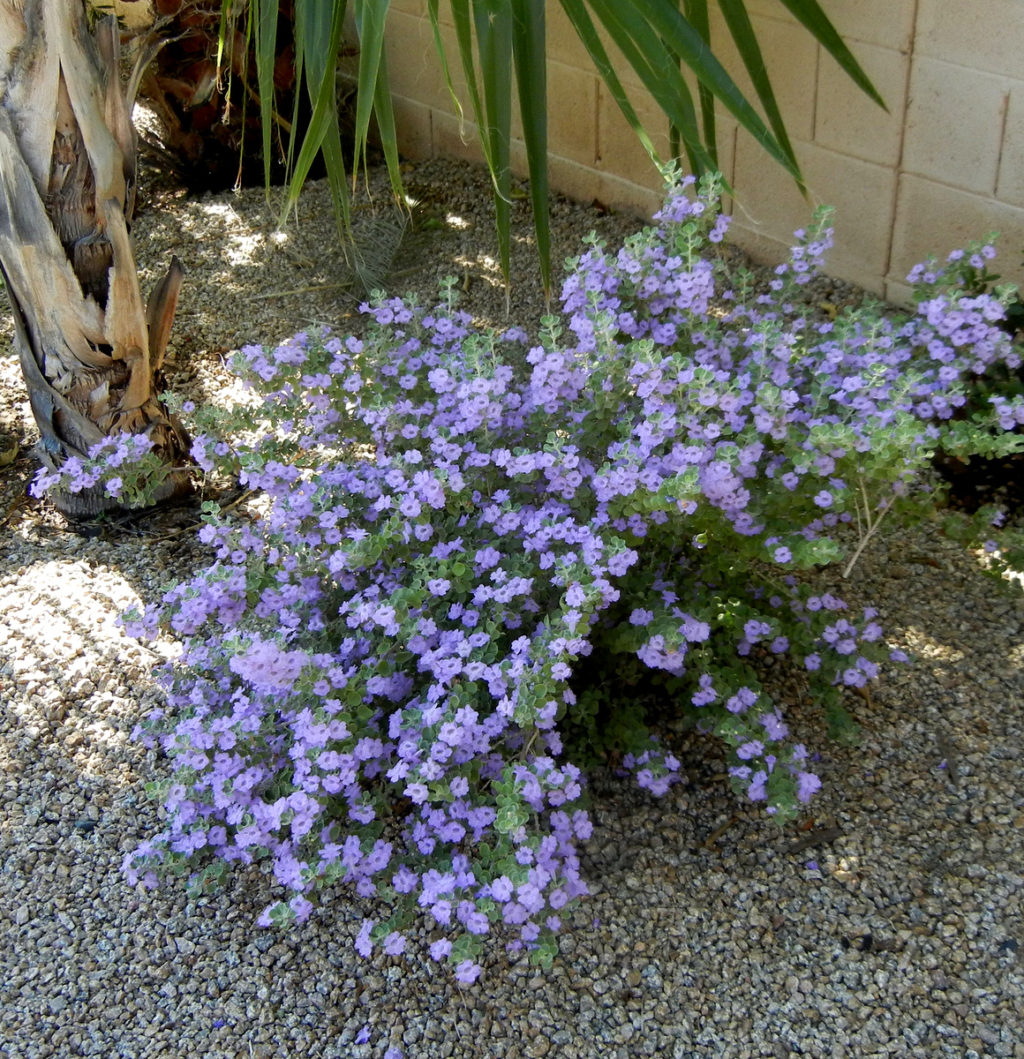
(387, 678)
(125, 463)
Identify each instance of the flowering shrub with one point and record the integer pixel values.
(389, 678)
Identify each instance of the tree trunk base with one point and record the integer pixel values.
(90, 349)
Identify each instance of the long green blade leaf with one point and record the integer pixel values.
(687, 43)
(371, 20)
(653, 55)
(266, 51)
(742, 30)
(386, 127)
(493, 22)
(587, 32)
(528, 46)
(319, 52)
(810, 15)
(314, 43)
(462, 17)
(696, 12)
(442, 54)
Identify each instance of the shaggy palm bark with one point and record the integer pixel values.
(90, 349)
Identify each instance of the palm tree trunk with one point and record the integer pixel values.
(90, 349)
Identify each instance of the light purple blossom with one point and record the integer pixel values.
(467, 972)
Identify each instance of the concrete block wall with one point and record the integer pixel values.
(942, 167)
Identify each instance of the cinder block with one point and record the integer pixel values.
(563, 42)
(572, 112)
(725, 137)
(770, 208)
(410, 7)
(769, 9)
(444, 14)
(413, 63)
(934, 219)
(766, 198)
(889, 23)
(454, 138)
(886, 22)
(586, 185)
(619, 151)
(791, 58)
(898, 293)
(413, 127)
(983, 35)
(954, 125)
(848, 120)
(1010, 188)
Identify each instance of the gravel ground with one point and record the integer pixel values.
(889, 924)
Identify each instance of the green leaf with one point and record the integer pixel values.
(508, 819)
(266, 12)
(742, 30)
(318, 42)
(810, 15)
(544, 954)
(466, 947)
(493, 22)
(696, 12)
(528, 46)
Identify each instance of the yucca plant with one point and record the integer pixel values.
(501, 44)
(285, 53)
(501, 47)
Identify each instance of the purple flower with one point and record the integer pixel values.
(694, 630)
(394, 944)
(440, 949)
(751, 749)
(501, 888)
(467, 972)
(757, 789)
(741, 701)
(774, 726)
(707, 693)
(363, 944)
(806, 785)
(457, 525)
(266, 665)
